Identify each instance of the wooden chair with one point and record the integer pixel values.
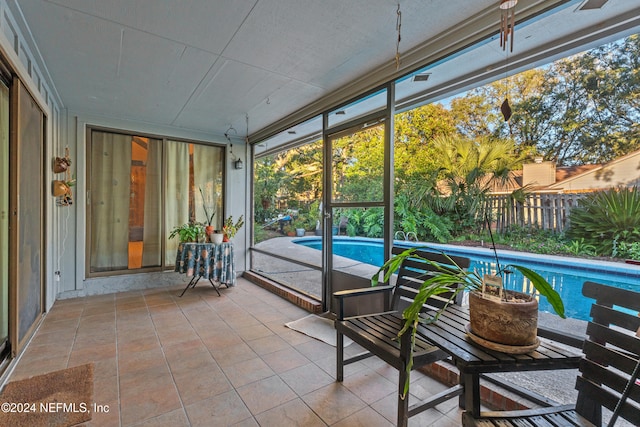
(608, 370)
(378, 332)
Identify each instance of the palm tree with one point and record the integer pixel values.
(469, 168)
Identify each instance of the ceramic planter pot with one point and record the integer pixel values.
(509, 323)
(217, 238)
(61, 164)
(60, 188)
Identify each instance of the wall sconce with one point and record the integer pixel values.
(238, 164)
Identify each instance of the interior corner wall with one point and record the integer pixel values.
(236, 181)
(65, 226)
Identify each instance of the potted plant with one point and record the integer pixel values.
(230, 228)
(300, 224)
(187, 232)
(289, 230)
(507, 320)
(209, 228)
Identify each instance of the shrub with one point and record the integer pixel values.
(605, 217)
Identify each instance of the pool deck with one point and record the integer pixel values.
(285, 246)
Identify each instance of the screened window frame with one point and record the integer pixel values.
(164, 266)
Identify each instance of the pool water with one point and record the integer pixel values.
(566, 275)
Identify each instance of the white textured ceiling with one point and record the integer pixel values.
(206, 64)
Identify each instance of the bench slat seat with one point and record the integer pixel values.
(611, 354)
(378, 332)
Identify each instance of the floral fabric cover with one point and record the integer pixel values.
(208, 261)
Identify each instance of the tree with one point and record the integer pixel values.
(469, 167)
(414, 130)
(581, 109)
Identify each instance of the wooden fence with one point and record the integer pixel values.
(542, 211)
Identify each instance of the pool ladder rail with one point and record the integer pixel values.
(405, 236)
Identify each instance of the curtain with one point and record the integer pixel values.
(110, 188)
(152, 201)
(177, 194)
(207, 175)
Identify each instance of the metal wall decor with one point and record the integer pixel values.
(507, 23)
(62, 188)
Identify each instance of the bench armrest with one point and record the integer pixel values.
(561, 337)
(349, 293)
(362, 291)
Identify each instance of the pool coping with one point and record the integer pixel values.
(621, 269)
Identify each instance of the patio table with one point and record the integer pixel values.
(472, 360)
(206, 260)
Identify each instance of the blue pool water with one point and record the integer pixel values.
(566, 275)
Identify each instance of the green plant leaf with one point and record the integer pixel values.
(544, 288)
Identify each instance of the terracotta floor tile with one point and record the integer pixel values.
(369, 386)
(92, 353)
(333, 402)
(306, 378)
(229, 355)
(285, 360)
(224, 409)
(203, 360)
(253, 332)
(136, 343)
(64, 326)
(265, 394)
(31, 367)
(269, 344)
(144, 399)
(141, 361)
(201, 384)
(293, 413)
(247, 372)
(177, 418)
(107, 416)
(366, 417)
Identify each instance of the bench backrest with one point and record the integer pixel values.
(611, 353)
(414, 271)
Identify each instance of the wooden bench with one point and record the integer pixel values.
(378, 332)
(609, 366)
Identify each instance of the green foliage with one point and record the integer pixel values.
(468, 169)
(230, 228)
(580, 247)
(581, 109)
(447, 278)
(605, 217)
(187, 232)
(531, 240)
(208, 217)
(422, 221)
(627, 250)
(259, 233)
(365, 222)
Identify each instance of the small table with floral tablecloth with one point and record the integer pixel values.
(206, 260)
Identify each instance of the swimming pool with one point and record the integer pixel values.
(565, 274)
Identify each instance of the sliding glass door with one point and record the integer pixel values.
(358, 213)
(4, 219)
(29, 216)
(136, 198)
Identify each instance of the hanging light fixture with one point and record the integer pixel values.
(507, 23)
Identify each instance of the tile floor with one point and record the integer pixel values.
(204, 360)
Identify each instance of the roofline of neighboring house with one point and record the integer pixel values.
(594, 170)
